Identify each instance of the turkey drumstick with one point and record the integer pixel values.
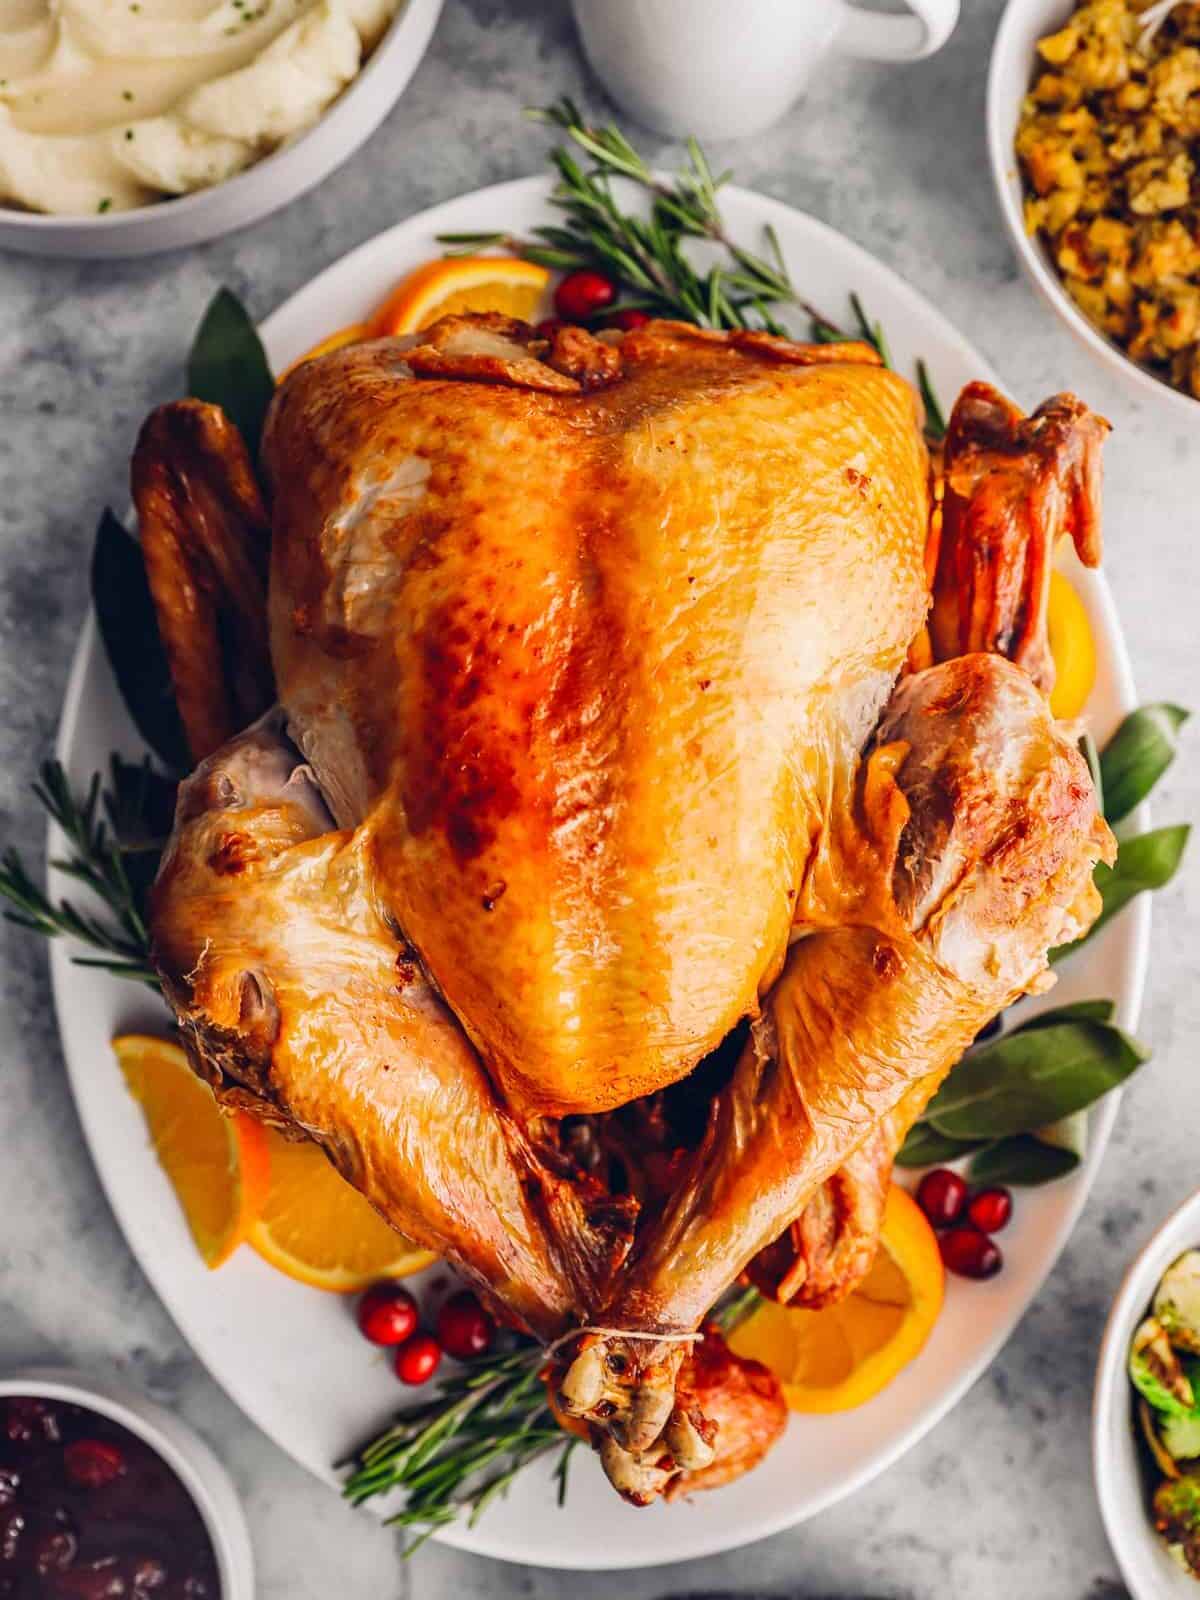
(1013, 487)
(981, 819)
(297, 999)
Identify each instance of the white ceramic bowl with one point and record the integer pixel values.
(1148, 1570)
(192, 1462)
(1012, 67)
(260, 189)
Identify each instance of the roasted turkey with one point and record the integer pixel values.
(626, 786)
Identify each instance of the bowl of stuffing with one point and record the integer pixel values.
(1094, 141)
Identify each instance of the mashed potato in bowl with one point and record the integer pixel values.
(106, 105)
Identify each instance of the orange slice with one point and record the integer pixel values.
(335, 341)
(1072, 646)
(217, 1164)
(459, 284)
(316, 1228)
(839, 1358)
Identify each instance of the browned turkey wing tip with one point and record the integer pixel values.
(206, 545)
(1013, 486)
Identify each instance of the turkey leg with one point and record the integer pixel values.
(983, 821)
(1012, 487)
(298, 1000)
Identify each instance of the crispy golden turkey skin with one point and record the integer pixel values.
(597, 739)
(591, 667)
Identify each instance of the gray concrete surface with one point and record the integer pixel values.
(998, 1499)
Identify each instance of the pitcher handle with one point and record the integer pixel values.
(876, 36)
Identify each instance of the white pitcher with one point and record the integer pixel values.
(721, 69)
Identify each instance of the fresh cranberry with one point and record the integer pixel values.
(581, 295)
(941, 1195)
(970, 1254)
(990, 1209)
(627, 320)
(387, 1314)
(418, 1359)
(92, 1463)
(464, 1328)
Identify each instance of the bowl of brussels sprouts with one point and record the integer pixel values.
(1146, 1415)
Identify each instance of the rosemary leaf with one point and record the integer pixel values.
(114, 834)
(646, 255)
(561, 1470)
(935, 417)
(735, 1308)
(455, 1453)
(477, 241)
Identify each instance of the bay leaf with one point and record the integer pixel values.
(926, 1147)
(1138, 754)
(1147, 861)
(1089, 1010)
(1022, 1161)
(228, 367)
(1032, 1077)
(129, 628)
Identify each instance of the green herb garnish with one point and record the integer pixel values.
(1137, 755)
(228, 367)
(458, 1451)
(111, 853)
(1033, 1076)
(926, 1146)
(453, 1454)
(1147, 861)
(128, 625)
(1023, 1160)
(648, 256)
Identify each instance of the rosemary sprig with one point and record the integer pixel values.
(935, 420)
(646, 255)
(455, 1453)
(114, 851)
(734, 1308)
(458, 1451)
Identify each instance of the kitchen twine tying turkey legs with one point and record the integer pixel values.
(556, 1345)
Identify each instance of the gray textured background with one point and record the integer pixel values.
(999, 1497)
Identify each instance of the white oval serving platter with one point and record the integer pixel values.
(290, 1356)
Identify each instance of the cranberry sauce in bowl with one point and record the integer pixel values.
(90, 1511)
